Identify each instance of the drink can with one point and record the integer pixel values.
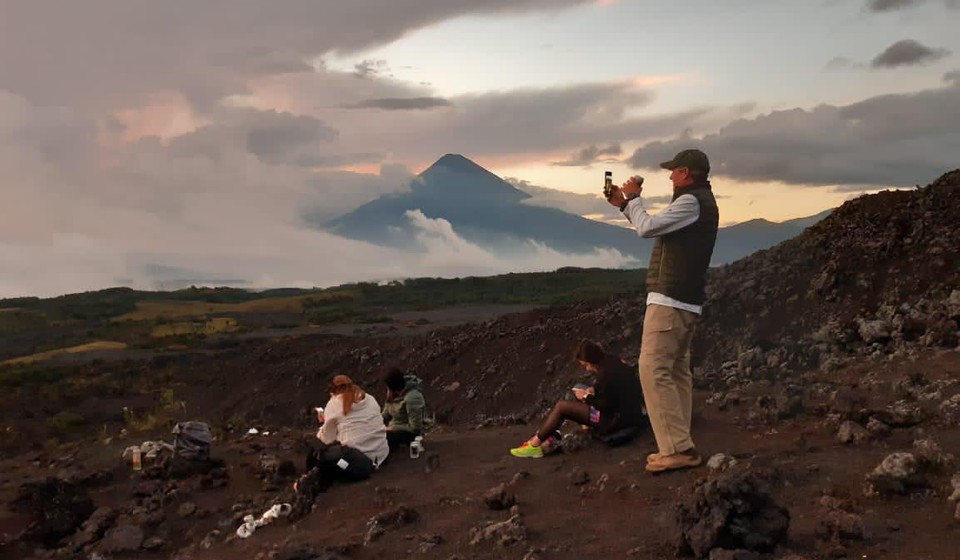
(136, 459)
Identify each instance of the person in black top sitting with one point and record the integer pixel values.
(614, 403)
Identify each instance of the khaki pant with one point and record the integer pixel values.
(665, 375)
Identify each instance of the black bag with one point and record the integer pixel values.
(621, 436)
(192, 440)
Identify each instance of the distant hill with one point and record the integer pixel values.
(737, 241)
(488, 211)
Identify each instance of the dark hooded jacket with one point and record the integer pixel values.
(618, 397)
(405, 412)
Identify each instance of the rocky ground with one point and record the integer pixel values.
(828, 387)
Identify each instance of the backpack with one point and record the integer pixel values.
(622, 436)
(191, 440)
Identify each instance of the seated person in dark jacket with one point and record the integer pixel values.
(403, 408)
(615, 402)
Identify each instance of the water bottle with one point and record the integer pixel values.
(416, 447)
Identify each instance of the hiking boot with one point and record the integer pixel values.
(682, 460)
(527, 451)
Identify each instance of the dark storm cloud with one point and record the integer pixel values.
(896, 5)
(885, 140)
(891, 5)
(590, 154)
(401, 104)
(907, 53)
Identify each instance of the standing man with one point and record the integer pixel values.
(685, 233)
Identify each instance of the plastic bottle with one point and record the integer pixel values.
(416, 447)
(135, 459)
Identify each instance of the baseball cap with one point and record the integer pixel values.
(691, 159)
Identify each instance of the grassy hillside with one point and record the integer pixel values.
(31, 327)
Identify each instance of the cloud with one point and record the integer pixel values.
(896, 5)
(842, 63)
(592, 205)
(586, 205)
(448, 254)
(907, 53)
(589, 155)
(231, 201)
(891, 5)
(401, 104)
(203, 50)
(488, 125)
(952, 76)
(254, 253)
(370, 68)
(285, 138)
(483, 125)
(900, 139)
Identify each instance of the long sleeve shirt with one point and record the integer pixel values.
(362, 429)
(682, 212)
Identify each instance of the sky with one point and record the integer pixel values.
(153, 144)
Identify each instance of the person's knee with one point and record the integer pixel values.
(559, 407)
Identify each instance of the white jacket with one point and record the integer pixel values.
(362, 429)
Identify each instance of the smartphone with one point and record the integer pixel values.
(607, 183)
(581, 386)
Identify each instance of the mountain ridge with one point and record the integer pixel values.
(486, 210)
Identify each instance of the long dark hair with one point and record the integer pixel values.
(590, 352)
(594, 354)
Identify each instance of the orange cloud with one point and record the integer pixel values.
(648, 81)
(163, 114)
(363, 168)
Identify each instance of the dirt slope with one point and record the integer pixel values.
(815, 361)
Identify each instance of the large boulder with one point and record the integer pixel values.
(898, 473)
(950, 411)
(503, 533)
(852, 433)
(733, 511)
(122, 538)
(902, 414)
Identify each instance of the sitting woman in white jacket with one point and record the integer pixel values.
(353, 439)
(353, 418)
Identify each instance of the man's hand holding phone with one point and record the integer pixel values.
(618, 196)
(319, 410)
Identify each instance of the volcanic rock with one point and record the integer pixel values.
(733, 511)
